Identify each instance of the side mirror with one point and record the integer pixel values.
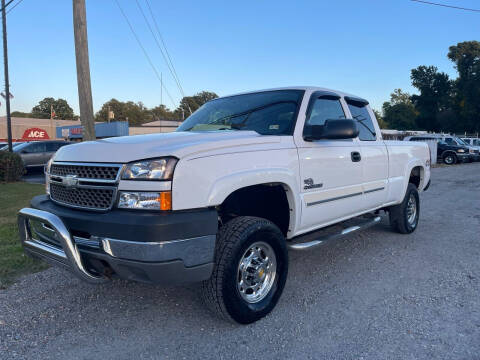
(334, 129)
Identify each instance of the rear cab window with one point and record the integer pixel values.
(359, 110)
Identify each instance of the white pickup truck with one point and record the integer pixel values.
(222, 199)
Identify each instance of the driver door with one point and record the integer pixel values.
(330, 170)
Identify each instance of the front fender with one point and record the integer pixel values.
(226, 185)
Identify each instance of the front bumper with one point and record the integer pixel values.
(475, 157)
(464, 157)
(172, 247)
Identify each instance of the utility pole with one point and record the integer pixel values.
(7, 85)
(161, 103)
(83, 69)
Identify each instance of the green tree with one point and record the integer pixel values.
(134, 113)
(190, 104)
(381, 122)
(161, 112)
(60, 106)
(466, 56)
(21, 114)
(435, 98)
(399, 113)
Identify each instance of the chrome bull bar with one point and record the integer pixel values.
(40, 231)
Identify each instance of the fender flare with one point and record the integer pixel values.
(408, 170)
(447, 152)
(230, 183)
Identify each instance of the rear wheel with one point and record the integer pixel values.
(251, 266)
(450, 159)
(404, 217)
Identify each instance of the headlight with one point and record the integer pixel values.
(471, 151)
(145, 200)
(46, 170)
(156, 169)
(47, 167)
(461, 150)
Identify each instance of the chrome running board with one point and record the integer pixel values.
(301, 242)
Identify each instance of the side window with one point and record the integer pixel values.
(324, 109)
(35, 148)
(450, 141)
(52, 146)
(365, 123)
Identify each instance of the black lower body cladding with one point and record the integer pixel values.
(146, 246)
(133, 225)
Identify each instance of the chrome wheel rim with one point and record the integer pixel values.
(412, 210)
(449, 159)
(256, 272)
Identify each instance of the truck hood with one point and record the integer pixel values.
(179, 144)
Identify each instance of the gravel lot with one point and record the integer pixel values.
(373, 295)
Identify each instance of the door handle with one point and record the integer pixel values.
(356, 157)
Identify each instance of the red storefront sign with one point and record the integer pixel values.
(76, 131)
(35, 134)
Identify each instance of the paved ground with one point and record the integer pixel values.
(374, 295)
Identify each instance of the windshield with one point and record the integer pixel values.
(267, 113)
(20, 146)
(15, 144)
(461, 142)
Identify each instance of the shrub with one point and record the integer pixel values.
(11, 167)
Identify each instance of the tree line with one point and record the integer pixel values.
(136, 113)
(442, 104)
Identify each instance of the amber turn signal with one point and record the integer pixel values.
(165, 200)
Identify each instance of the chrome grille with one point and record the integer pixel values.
(96, 198)
(104, 172)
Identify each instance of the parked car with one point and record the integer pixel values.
(472, 151)
(448, 149)
(4, 146)
(37, 153)
(473, 143)
(220, 200)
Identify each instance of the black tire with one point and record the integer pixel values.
(399, 214)
(220, 292)
(450, 159)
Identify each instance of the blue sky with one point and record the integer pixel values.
(363, 47)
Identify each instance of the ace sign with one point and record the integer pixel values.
(35, 134)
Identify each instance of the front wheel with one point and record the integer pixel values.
(404, 217)
(450, 159)
(251, 266)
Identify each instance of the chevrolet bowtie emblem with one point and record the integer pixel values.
(70, 180)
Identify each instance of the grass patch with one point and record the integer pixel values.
(13, 262)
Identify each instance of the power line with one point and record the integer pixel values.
(160, 48)
(145, 52)
(14, 6)
(6, 5)
(169, 62)
(163, 42)
(447, 6)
